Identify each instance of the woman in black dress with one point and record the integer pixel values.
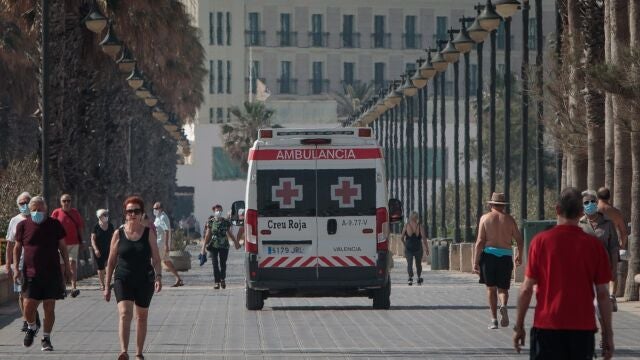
(101, 241)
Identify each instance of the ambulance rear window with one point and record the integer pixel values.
(283, 193)
(346, 192)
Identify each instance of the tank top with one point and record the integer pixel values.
(413, 242)
(134, 259)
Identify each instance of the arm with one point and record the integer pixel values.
(524, 300)
(167, 241)
(233, 238)
(479, 247)
(519, 243)
(9, 256)
(425, 240)
(403, 233)
(94, 244)
(111, 264)
(17, 252)
(205, 240)
(604, 305)
(155, 261)
(622, 232)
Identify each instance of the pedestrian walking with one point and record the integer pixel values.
(134, 264)
(597, 224)
(23, 207)
(73, 224)
(565, 265)
(414, 239)
(238, 226)
(216, 242)
(616, 216)
(493, 257)
(42, 238)
(101, 242)
(163, 228)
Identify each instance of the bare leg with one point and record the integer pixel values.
(74, 273)
(30, 308)
(141, 326)
(172, 269)
(125, 310)
(49, 314)
(101, 278)
(503, 295)
(493, 301)
(21, 305)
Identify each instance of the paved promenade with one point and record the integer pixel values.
(446, 318)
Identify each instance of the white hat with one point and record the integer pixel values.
(101, 212)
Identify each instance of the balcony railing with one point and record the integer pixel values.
(318, 86)
(254, 38)
(412, 41)
(318, 39)
(381, 40)
(288, 38)
(350, 40)
(287, 86)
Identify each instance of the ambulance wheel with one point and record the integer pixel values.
(255, 301)
(381, 297)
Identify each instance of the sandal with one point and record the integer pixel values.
(178, 283)
(123, 356)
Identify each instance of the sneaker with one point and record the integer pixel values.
(75, 293)
(410, 282)
(504, 316)
(223, 284)
(46, 344)
(29, 335)
(493, 325)
(614, 304)
(25, 326)
(216, 286)
(420, 281)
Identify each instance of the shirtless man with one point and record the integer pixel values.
(604, 195)
(493, 256)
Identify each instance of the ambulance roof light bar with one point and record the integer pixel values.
(272, 133)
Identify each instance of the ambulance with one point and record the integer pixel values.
(317, 217)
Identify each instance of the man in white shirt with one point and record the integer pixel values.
(23, 205)
(163, 227)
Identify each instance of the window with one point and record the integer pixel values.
(533, 34)
(285, 77)
(285, 29)
(212, 79)
(254, 29)
(212, 29)
(316, 86)
(316, 30)
(220, 83)
(228, 28)
(378, 76)
(410, 67)
(347, 31)
(441, 28)
(473, 84)
(220, 35)
(348, 73)
(378, 31)
(224, 168)
(411, 40)
(501, 36)
(210, 115)
(228, 77)
(219, 115)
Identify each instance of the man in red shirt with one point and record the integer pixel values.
(73, 224)
(566, 264)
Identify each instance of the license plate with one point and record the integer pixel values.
(285, 250)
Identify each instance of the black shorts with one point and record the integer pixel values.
(561, 344)
(496, 270)
(101, 262)
(139, 293)
(38, 288)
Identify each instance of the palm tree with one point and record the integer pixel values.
(634, 243)
(354, 95)
(239, 135)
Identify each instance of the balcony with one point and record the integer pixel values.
(287, 86)
(318, 86)
(254, 38)
(381, 40)
(318, 39)
(411, 41)
(350, 40)
(288, 38)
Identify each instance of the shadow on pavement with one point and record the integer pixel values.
(393, 307)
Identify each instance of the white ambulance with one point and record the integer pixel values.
(317, 218)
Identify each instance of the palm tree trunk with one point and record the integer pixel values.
(609, 150)
(631, 289)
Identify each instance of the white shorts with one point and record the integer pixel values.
(73, 252)
(161, 251)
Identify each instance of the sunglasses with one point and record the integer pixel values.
(156, 208)
(589, 202)
(137, 211)
(23, 203)
(66, 200)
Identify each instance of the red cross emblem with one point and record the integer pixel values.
(286, 193)
(346, 192)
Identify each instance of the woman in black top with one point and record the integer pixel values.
(413, 238)
(135, 258)
(101, 241)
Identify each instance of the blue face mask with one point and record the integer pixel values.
(37, 217)
(590, 208)
(24, 209)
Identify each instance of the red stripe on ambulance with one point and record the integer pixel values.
(340, 261)
(354, 260)
(293, 262)
(266, 261)
(316, 154)
(308, 261)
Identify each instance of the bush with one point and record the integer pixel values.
(21, 175)
(180, 240)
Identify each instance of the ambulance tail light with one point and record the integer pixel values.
(251, 231)
(382, 229)
(364, 132)
(265, 134)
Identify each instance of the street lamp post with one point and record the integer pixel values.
(455, 43)
(434, 156)
(44, 98)
(443, 143)
(540, 113)
(524, 160)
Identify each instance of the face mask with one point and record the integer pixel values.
(37, 216)
(217, 213)
(104, 219)
(590, 208)
(156, 212)
(24, 209)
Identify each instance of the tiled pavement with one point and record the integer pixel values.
(446, 318)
